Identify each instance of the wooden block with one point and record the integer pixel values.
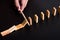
(30, 20)
(48, 14)
(13, 28)
(59, 9)
(21, 25)
(36, 18)
(8, 31)
(42, 16)
(54, 11)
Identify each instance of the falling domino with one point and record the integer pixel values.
(48, 14)
(30, 20)
(8, 31)
(13, 28)
(59, 9)
(42, 16)
(22, 25)
(54, 11)
(36, 18)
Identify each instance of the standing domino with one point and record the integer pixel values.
(54, 11)
(42, 16)
(48, 14)
(59, 9)
(30, 20)
(36, 18)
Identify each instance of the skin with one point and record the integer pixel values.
(21, 6)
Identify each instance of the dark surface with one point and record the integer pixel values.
(9, 16)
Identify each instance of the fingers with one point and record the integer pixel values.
(17, 4)
(21, 7)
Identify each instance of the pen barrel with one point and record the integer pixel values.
(25, 18)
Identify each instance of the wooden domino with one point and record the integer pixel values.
(36, 18)
(54, 11)
(48, 14)
(8, 31)
(59, 9)
(42, 16)
(22, 25)
(30, 20)
(13, 28)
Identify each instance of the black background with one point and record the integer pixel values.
(48, 29)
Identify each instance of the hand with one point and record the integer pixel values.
(21, 4)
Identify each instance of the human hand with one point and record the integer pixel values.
(21, 4)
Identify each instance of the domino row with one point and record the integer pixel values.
(42, 15)
(22, 25)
